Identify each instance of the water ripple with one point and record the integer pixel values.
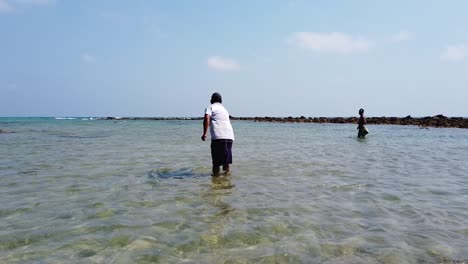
(141, 192)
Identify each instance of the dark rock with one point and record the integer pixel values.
(5, 131)
(440, 117)
(428, 121)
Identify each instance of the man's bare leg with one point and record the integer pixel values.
(215, 171)
(226, 169)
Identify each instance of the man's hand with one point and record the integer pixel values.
(203, 137)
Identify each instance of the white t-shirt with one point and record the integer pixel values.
(220, 126)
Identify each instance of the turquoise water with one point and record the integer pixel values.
(94, 191)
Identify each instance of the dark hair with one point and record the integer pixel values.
(361, 111)
(216, 98)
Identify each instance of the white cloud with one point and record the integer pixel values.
(455, 53)
(222, 64)
(333, 42)
(402, 36)
(87, 58)
(5, 7)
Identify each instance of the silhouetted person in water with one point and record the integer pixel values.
(362, 130)
(222, 134)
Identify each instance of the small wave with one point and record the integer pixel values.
(347, 187)
(65, 118)
(76, 135)
(89, 136)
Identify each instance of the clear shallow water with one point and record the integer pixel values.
(87, 191)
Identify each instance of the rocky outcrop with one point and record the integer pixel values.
(428, 121)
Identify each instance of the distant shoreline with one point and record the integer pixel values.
(428, 121)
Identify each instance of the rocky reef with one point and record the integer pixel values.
(428, 121)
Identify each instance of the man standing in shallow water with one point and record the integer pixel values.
(222, 135)
(362, 130)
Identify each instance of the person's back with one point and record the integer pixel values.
(222, 135)
(220, 125)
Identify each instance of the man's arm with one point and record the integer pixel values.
(206, 124)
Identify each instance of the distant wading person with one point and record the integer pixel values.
(362, 130)
(222, 135)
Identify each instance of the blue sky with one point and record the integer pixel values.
(266, 57)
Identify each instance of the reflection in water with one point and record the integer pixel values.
(221, 187)
(221, 183)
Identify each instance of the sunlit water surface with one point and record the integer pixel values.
(90, 191)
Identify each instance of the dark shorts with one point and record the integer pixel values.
(362, 131)
(221, 152)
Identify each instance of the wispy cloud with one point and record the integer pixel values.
(291, 4)
(11, 87)
(333, 42)
(88, 58)
(401, 36)
(222, 64)
(8, 87)
(5, 7)
(34, 2)
(454, 53)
